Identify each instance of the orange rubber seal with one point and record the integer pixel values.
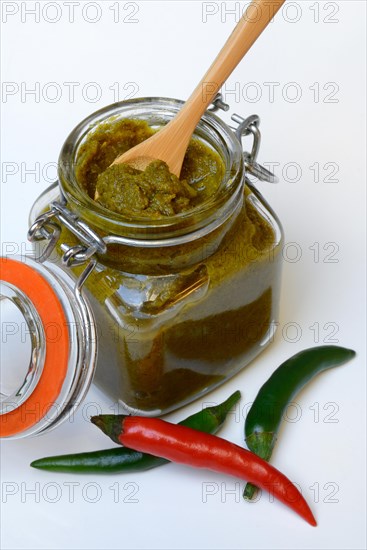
(54, 321)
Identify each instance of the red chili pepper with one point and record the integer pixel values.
(188, 446)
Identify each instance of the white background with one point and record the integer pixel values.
(313, 50)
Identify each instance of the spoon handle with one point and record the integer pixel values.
(252, 23)
(171, 142)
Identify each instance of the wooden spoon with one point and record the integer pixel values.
(171, 142)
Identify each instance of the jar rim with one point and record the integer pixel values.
(210, 214)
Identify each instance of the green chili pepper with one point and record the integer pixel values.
(264, 417)
(121, 459)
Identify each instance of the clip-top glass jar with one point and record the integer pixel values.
(179, 304)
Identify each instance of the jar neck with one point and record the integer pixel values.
(130, 255)
(172, 255)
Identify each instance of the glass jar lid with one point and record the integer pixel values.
(48, 346)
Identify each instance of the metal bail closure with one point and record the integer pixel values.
(248, 126)
(218, 103)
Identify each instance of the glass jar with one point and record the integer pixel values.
(179, 304)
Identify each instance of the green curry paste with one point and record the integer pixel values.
(155, 192)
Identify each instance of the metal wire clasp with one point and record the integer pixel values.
(218, 103)
(46, 228)
(247, 126)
